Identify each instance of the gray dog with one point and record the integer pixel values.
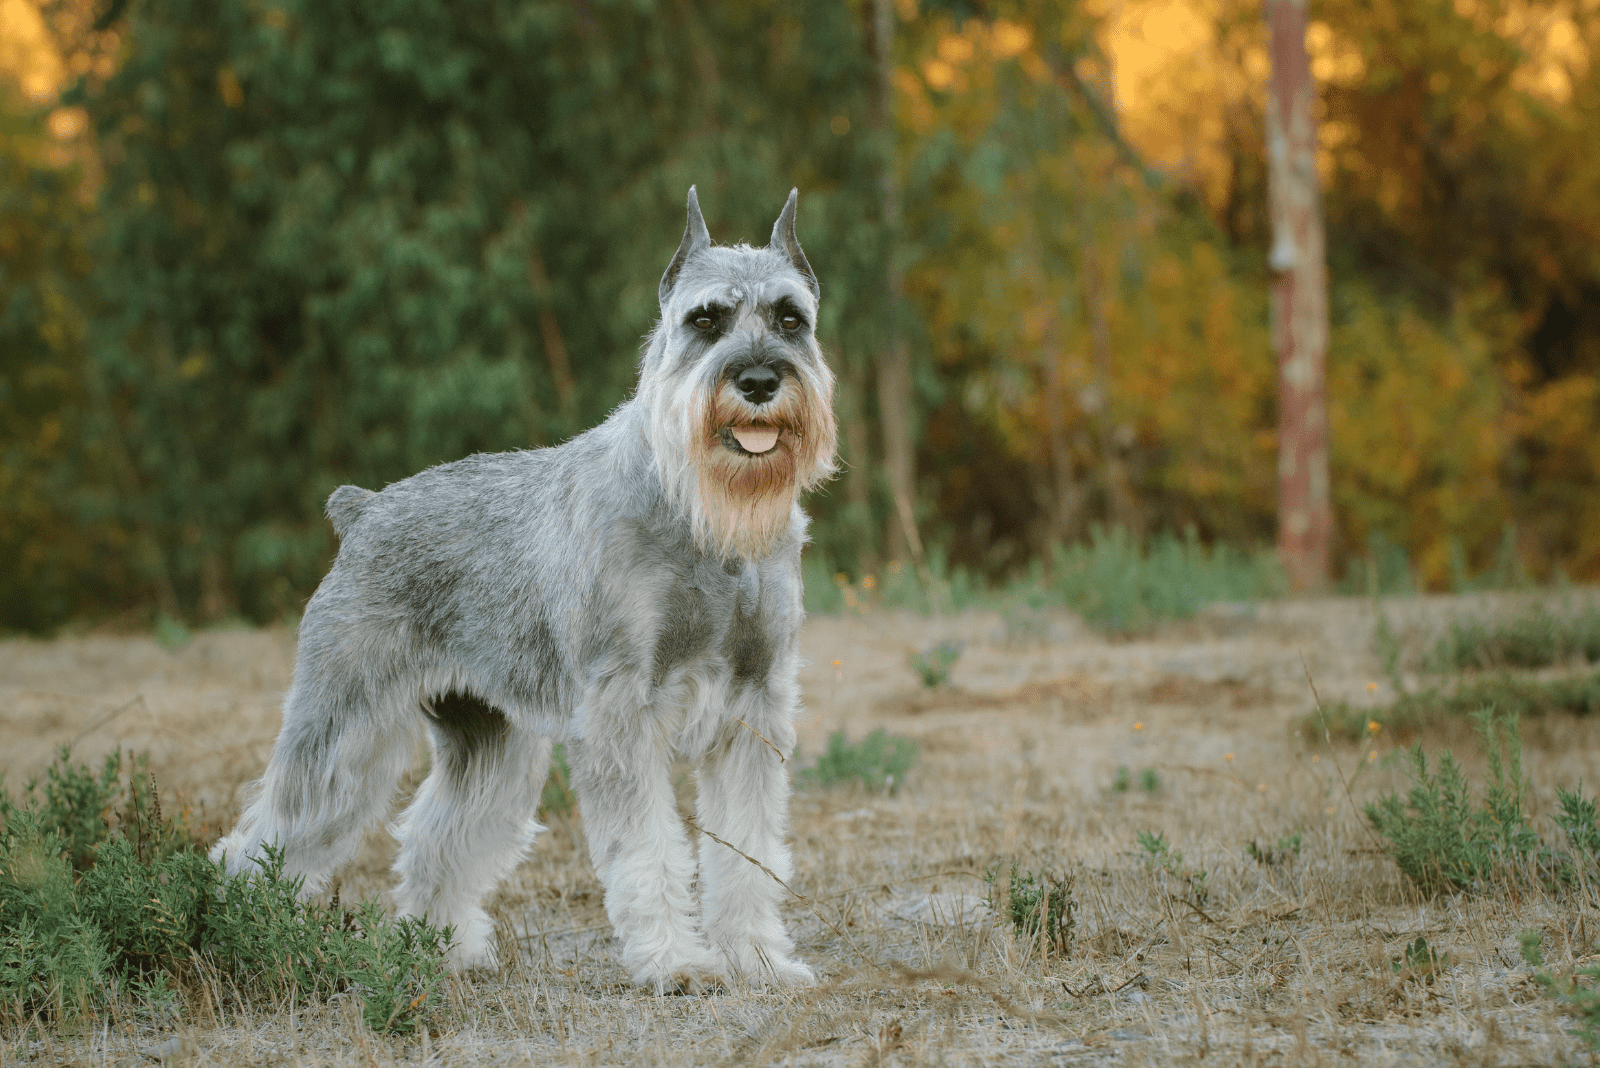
(633, 593)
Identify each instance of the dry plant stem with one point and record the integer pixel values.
(781, 758)
(797, 894)
(1328, 738)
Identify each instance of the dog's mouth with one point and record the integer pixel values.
(750, 438)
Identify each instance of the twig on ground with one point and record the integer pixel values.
(1327, 736)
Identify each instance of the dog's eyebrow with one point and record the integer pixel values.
(712, 308)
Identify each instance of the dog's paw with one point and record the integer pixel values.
(687, 971)
(763, 966)
(479, 958)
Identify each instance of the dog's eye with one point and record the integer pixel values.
(790, 322)
(704, 322)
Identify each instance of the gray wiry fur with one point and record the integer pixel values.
(634, 593)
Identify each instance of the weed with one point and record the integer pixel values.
(170, 633)
(1117, 587)
(1538, 639)
(1286, 849)
(878, 762)
(933, 664)
(1420, 961)
(1040, 906)
(1387, 645)
(98, 899)
(1577, 820)
(1167, 863)
(1149, 781)
(1510, 694)
(1123, 780)
(1439, 837)
(1583, 998)
(558, 796)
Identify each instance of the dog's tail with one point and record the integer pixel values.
(345, 506)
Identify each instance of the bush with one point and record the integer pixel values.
(1511, 694)
(1117, 587)
(933, 664)
(878, 762)
(91, 905)
(1040, 907)
(1583, 998)
(1439, 837)
(1536, 640)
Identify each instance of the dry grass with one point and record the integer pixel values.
(1289, 963)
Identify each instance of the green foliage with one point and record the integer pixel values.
(933, 664)
(1123, 780)
(1421, 961)
(1040, 906)
(1149, 781)
(1178, 879)
(1440, 838)
(1283, 851)
(89, 910)
(1514, 695)
(879, 761)
(1538, 639)
(1118, 587)
(558, 796)
(1579, 991)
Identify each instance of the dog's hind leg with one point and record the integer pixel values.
(471, 821)
(332, 773)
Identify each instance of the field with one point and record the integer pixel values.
(1051, 747)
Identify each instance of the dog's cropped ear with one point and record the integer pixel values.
(695, 238)
(784, 241)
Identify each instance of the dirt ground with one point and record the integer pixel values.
(1291, 962)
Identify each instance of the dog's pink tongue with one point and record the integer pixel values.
(755, 438)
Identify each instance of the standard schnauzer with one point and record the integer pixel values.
(633, 593)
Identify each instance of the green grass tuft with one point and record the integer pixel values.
(933, 664)
(879, 761)
(1040, 907)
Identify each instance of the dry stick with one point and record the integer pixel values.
(781, 758)
(798, 895)
(95, 725)
(1327, 737)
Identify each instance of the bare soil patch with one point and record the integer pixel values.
(1291, 962)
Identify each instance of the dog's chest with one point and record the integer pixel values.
(717, 620)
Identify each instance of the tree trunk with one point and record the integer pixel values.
(894, 362)
(1299, 300)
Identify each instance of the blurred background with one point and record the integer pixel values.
(252, 250)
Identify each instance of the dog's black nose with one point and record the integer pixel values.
(758, 384)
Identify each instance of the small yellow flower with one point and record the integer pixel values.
(869, 582)
(1315, 759)
(837, 664)
(1229, 758)
(1373, 726)
(894, 567)
(1261, 787)
(1372, 756)
(841, 579)
(1372, 687)
(1330, 810)
(1138, 726)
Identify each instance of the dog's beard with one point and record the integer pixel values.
(740, 501)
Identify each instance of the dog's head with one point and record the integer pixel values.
(740, 396)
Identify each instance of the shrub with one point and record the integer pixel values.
(1287, 848)
(1167, 864)
(1117, 587)
(1536, 640)
(1512, 695)
(933, 664)
(1439, 837)
(1040, 907)
(878, 762)
(92, 905)
(1583, 998)
(557, 796)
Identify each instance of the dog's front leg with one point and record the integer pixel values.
(743, 798)
(640, 850)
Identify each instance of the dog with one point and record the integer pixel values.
(633, 593)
